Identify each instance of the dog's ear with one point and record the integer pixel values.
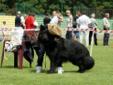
(42, 27)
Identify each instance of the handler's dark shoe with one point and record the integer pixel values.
(51, 71)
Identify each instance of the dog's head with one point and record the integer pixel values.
(45, 36)
(42, 33)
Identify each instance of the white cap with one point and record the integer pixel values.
(19, 12)
(93, 15)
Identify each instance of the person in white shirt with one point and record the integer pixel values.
(83, 22)
(69, 24)
(55, 19)
(106, 27)
(54, 25)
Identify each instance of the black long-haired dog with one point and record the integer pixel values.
(60, 50)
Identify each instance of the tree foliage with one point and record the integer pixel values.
(7, 6)
(43, 6)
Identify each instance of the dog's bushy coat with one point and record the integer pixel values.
(60, 50)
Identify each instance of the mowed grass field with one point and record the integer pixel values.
(101, 74)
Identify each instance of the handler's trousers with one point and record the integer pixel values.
(106, 38)
(69, 35)
(91, 37)
(84, 34)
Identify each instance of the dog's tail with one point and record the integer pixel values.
(89, 62)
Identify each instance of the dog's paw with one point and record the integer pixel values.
(81, 71)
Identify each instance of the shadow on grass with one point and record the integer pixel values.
(10, 67)
(43, 71)
(7, 67)
(71, 71)
(47, 71)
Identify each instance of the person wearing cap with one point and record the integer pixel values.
(19, 20)
(19, 25)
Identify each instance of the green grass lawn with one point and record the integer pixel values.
(101, 74)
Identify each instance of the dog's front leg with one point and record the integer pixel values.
(81, 69)
(59, 65)
(52, 67)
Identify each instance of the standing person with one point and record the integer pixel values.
(83, 21)
(93, 30)
(69, 24)
(4, 30)
(18, 25)
(32, 43)
(75, 26)
(57, 18)
(40, 49)
(5, 36)
(54, 25)
(54, 19)
(46, 20)
(19, 20)
(29, 21)
(106, 27)
(30, 25)
(30, 38)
